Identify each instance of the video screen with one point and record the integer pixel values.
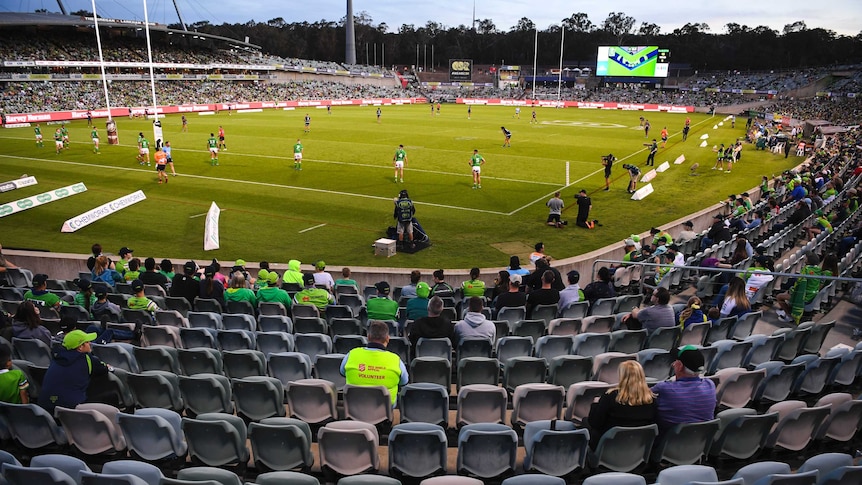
(640, 61)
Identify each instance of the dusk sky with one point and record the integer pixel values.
(841, 16)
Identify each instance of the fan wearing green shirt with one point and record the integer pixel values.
(474, 286)
(212, 146)
(297, 155)
(272, 293)
(382, 307)
(40, 294)
(312, 295)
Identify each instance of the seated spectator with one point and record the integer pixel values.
(85, 298)
(346, 280)
(475, 324)
(166, 269)
(515, 267)
(804, 290)
(40, 295)
(660, 314)
(417, 307)
(217, 275)
(572, 293)
(440, 287)
(474, 286)
(13, 382)
(293, 277)
(322, 278)
(514, 297)
(238, 290)
(501, 285)
(133, 270)
(210, 287)
(139, 301)
(272, 293)
(409, 291)
(311, 295)
(544, 295)
(603, 287)
(152, 277)
(28, 324)
(186, 285)
(72, 369)
(382, 307)
(534, 281)
(689, 398)
(433, 326)
(374, 365)
(735, 301)
(103, 272)
(687, 233)
(692, 313)
(102, 308)
(630, 403)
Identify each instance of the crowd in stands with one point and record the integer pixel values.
(777, 81)
(840, 111)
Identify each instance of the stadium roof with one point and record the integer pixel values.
(12, 19)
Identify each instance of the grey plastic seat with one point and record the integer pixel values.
(205, 319)
(825, 462)
(258, 397)
(433, 370)
(846, 370)
(730, 353)
(512, 314)
(474, 347)
(368, 480)
(796, 426)
(91, 428)
(487, 450)
(778, 383)
(666, 338)
(564, 326)
(239, 321)
(807, 478)
(603, 306)
(685, 443)
(275, 323)
(369, 404)
(737, 387)
(281, 444)
(118, 355)
(578, 309)
(417, 450)
(550, 346)
(720, 330)
(844, 420)
(694, 334)
(348, 448)
(31, 426)
(606, 366)
(533, 480)
(207, 393)
(528, 328)
(342, 344)
(153, 434)
(815, 375)
(310, 325)
(742, 433)
(477, 370)
(597, 324)
(92, 478)
(173, 318)
(764, 348)
(158, 357)
(244, 363)
(69, 465)
(656, 364)
(32, 350)
(313, 344)
(523, 370)
(149, 474)
(614, 478)
(624, 449)
(236, 340)
(565, 370)
(200, 361)
(684, 474)
(201, 473)
(480, 403)
(818, 334)
(753, 472)
(328, 367)
(156, 389)
(285, 478)
(513, 346)
(274, 342)
(555, 447)
(312, 400)
(434, 347)
(289, 366)
(794, 339)
(216, 439)
(22, 475)
(345, 326)
(197, 338)
(535, 402)
(591, 344)
(627, 341)
(424, 403)
(580, 397)
(842, 476)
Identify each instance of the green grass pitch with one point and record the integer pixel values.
(342, 200)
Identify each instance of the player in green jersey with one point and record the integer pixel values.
(95, 136)
(145, 150)
(212, 145)
(58, 141)
(399, 160)
(476, 161)
(65, 133)
(297, 155)
(38, 132)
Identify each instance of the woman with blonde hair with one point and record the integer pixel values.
(103, 272)
(630, 403)
(692, 313)
(735, 301)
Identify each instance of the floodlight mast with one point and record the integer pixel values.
(180, 16)
(62, 7)
(101, 58)
(350, 36)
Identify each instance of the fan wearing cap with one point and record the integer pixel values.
(102, 306)
(186, 285)
(211, 287)
(321, 277)
(272, 293)
(68, 377)
(417, 307)
(717, 232)
(512, 298)
(660, 237)
(85, 298)
(40, 295)
(239, 266)
(311, 295)
(139, 301)
(125, 256)
(572, 293)
(688, 398)
(382, 307)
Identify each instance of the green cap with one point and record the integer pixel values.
(272, 277)
(320, 264)
(263, 275)
(76, 338)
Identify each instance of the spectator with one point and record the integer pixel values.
(211, 288)
(28, 324)
(792, 303)
(689, 398)
(434, 325)
(13, 382)
(166, 268)
(152, 277)
(139, 301)
(515, 267)
(382, 307)
(40, 295)
(374, 365)
(186, 285)
(96, 249)
(571, 293)
(501, 285)
(417, 307)
(687, 233)
(293, 277)
(544, 295)
(660, 314)
(514, 297)
(475, 324)
(346, 279)
(125, 256)
(630, 403)
(735, 301)
(601, 288)
(133, 268)
(67, 381)
(409, 291)
(104, 273)
(238, 290)
(474, 286)
(321, 277)
(692, 313)
(272, 293)
(85, 298)
(5, 263)
(104, 309)
(441, 288)
(539, 253)
(311, 295)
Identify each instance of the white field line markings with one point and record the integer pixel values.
(312, 228)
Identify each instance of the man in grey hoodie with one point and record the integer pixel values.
(475, 324)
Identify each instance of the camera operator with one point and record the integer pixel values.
(403, 214)
(608, 162)
(634, 173)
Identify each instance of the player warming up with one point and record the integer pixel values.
(533, 117)
(507, 141)
(167, 149)
(476, 161)
(95, 136)
(221, 144)
(664, 137)
(144, 150)
(58, 141)
(38, 132)
(399, 160)
(212, 145)
(297, 155)
(378, 114)
(608, 163)
(161, 159)
(307, 123)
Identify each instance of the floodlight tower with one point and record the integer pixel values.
(62, 7)
(180, 16)
(350, 40)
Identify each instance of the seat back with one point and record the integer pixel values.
(216, 439)
(312, 400)
(487, 450)
(417, 450)
(207, 393)
(348, 448)
(258, 397)
(685, 444)
(624, 449)
(91, 428)
(481, 403)
(424, 403)
(280, 444)
(153, 434)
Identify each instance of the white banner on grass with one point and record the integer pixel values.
(93, 215)
(642, 192)
(43, 198)
(17, 184)
(679, 160)
(211, 228)
(647, 177)
(663, 167)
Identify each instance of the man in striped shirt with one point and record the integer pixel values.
(689, 398)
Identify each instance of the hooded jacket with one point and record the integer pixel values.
(68, 377)
(475, 325)
(22, 330)
(293, 274)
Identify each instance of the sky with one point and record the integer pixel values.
(841, 16)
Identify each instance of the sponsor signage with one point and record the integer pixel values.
(40, 199)
(93, 215)
(211, 239)
(17, 184)
(460, 69)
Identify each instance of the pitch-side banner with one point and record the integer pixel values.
(43, 198)
(93, 215)
(211, 228)
(17, 184)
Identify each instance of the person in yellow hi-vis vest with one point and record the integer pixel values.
(374, 365)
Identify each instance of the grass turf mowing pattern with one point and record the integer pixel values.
(271, 211)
